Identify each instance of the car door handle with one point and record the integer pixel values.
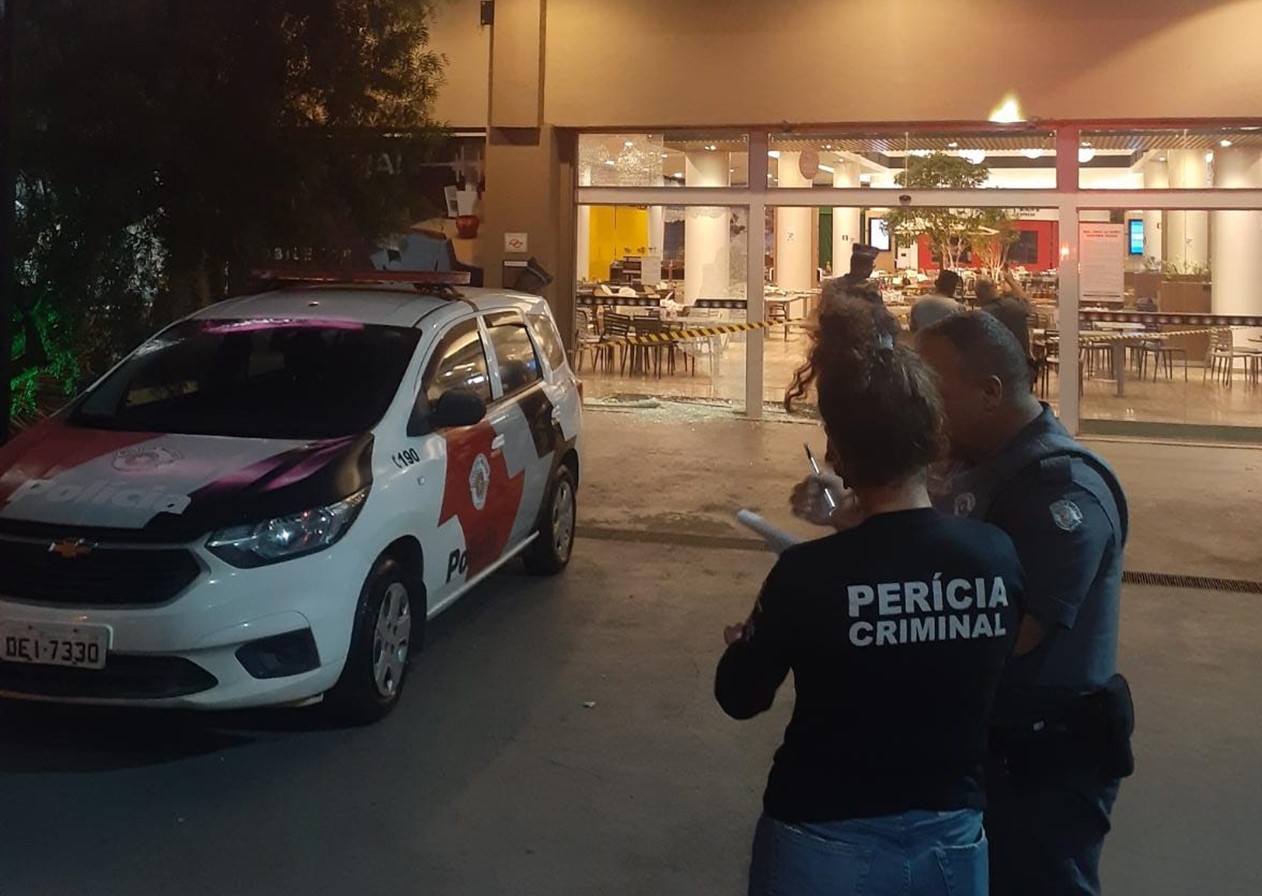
(497, 443)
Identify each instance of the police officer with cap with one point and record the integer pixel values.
(1063, 717)
(862, 264)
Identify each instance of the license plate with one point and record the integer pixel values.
(53, 644)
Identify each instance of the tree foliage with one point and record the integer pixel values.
(165, 147)
(953, 232)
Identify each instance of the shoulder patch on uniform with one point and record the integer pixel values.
(965, 504)
(1058, 468)
(1066, 515)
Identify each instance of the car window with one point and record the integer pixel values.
(548, 339)
(274, 378)
(514, 352)
(459, 362)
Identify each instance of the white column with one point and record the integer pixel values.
(707, 235)
(583, 251)
(845, 220)
(793, 230)
(652, 265)
(1187, 233)
(1237, 256)
(1156, 177)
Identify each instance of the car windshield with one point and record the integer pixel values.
(275, 379)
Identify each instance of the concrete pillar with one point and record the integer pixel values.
(1156, 177)
(1187, 233)
(845, 220)
(652, 264)
(707, 235)
(583, 248)
(1237, 253)
(793, 230)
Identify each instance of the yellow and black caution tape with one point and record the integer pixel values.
(669, 336)
(1094, 338)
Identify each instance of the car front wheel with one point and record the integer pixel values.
(381, 645)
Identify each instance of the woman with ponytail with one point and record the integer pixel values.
(896, 630)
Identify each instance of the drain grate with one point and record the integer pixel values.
(738, 543)
(1201, 583)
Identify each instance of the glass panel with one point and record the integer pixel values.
(1171, 159)
(514, 352)
(998, 159)
(696, 279)
(459, 362)
(1017, 250)
(1145, 371)
(269, 379)
(676, 159)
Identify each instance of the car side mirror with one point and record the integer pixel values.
(459, 407)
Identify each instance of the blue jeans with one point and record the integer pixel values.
(912, 854)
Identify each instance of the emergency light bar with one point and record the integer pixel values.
(420, 279)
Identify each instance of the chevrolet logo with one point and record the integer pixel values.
(71, 548)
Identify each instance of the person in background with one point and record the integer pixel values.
(1011, 307)
(896, 631)
(939, 304)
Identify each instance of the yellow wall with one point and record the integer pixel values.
(463, 99)
(616, 233)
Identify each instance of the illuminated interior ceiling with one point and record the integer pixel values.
(1025, 148)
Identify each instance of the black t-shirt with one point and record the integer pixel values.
(896, 632)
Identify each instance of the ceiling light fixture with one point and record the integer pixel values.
(1008, 111)
(1224, 143)
(953, 145)
(710, 147)
(629, 144)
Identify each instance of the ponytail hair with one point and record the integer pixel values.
(878, 399)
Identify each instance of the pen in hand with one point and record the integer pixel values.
(828, 495)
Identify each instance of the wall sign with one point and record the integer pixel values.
(516, 242)
(1103, 262)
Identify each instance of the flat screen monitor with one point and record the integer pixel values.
(879, 234)
(1135, 243)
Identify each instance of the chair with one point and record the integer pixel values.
(1220, 357)
(1163, 356)
(709, 347)
(586, 341)
(654, 326)
(617, 326)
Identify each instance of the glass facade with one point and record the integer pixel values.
(1099, 244)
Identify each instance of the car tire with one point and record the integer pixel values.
(551, 550)
(383, 639)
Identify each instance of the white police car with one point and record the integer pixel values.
(265, 502)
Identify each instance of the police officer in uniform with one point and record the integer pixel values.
(897, 632)
(1063, 718)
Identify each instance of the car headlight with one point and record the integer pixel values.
(286, 537)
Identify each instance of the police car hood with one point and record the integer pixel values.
(168, 487)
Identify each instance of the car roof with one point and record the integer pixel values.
(388, 304)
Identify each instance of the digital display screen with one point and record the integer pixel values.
(1136, 242)
(879, 234)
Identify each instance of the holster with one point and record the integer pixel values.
(1051, 734)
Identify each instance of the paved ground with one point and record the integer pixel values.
(494, 777)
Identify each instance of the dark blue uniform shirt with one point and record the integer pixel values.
(1065, 521)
